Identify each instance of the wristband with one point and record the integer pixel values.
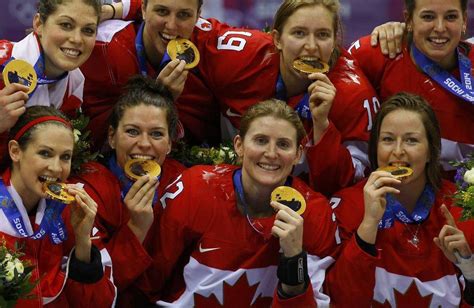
(466, 265)
(293, 271)
(113, 9)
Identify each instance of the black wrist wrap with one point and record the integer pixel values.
(293, 271)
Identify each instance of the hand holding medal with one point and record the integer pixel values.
(58, 192)
(183, 49)
(288, 225)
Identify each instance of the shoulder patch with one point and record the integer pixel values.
(203, 24)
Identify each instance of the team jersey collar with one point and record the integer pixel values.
(141, 53)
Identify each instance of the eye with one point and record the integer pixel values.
(324, 35)
(162, 12)
(411, 140)
(427, 17)
(156, 134)
(66, 25)
(260, 140)
(386, 139)
(299, 33)
(66, 157)
(132, 132)
(184, 15)
(452, 17)
(284, 144)
(89, 31)
(44, 153)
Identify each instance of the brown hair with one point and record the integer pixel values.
(143, 90)
(274, 108)
(32, 113)
(48, 7)
(415, 103)
(289, 7)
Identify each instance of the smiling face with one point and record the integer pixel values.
(403, 141)
(308, 33)
(269, 151)
(67, 36)
(142, 132)
(46, 157)
(166, 20)
(437, 27)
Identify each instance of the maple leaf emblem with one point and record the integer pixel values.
(238, 295)
(411, 298)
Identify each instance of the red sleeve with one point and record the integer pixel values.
(303, 300)
(99, 294)
(347, 282)
(345, 140)
(132, 9)
(370, 59)
(111, 226)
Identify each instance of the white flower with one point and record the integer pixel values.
(8, 257)
(469, 176)
(77, 134)
(19, 266)
(10, 271)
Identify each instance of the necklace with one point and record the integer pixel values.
(414, 240)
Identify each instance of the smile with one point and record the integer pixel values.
(268, 167)
(141, 156)
(71, 52)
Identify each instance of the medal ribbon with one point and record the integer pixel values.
(51, 224)
(302, 108)
(239, 189)
(141, 54)
(395, 210)
(462, 90)
(125, 182)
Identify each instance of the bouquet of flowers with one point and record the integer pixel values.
(82, 148)
(464, 196)
(195, 155)
(14, 276)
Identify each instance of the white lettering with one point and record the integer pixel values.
(467, 81)
(19, 226)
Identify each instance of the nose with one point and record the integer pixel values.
(311, 44)
(143, 141)
(76, 35)
(271, 150)
(399, 149)
(171, 24)
(439, 24)
(55, 165)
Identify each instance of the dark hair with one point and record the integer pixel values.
(289, 7)
(143, 90)
(415, 103)
(274, 108)
(199, 3)
(48, 7)
(31, 113)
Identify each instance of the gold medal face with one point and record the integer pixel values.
(290, 197)
(310, 65)
(19, 71)
(58, 192)
(136, 168)
(399, 172)
(183, 49)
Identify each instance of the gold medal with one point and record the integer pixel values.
(58, 191)
(399, 172)
(183, 49)
(310, 65)
(136, 168)
(19, 71)
(290, 197)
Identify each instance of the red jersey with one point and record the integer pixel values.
(112, 218)
(402, 274)
(227, 261)
(242, 66)
(113, 61)
(51, 262)
(390, 76)
(65, 95)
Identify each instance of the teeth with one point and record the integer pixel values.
(399, 164)
(438, 40)
(309, 58)
(168, 37)
(268, 167)
(141, 156)
(45, 178)
(71, 52)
